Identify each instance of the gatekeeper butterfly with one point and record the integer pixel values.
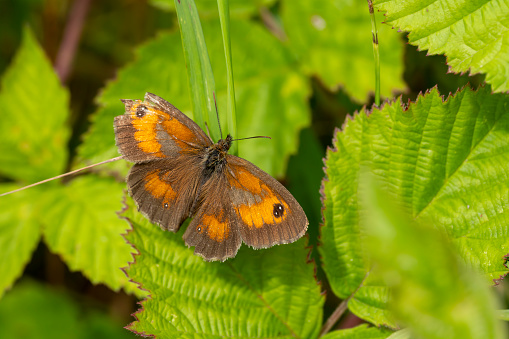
(179, 173)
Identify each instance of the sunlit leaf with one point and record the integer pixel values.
(34, 110)
(20, 232)
(473, 34)
(81, 225)
(264, 293)
(445, 161)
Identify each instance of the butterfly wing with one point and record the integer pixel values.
(155, 129)
(165, 190)
(267, 213)
(214, 229)
(167, 147)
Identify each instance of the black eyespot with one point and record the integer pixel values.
(141, 111)
(278, 210)
(199, 229)
(165, 205)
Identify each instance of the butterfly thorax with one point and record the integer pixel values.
(215, 157)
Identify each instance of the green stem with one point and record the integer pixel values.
(224, 17)
(376, 52)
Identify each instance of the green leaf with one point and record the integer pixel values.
(33, 311)
(444, 161)
(503, 315)
(264, 293)
(20, 231)
(199, 71)
(433, 292)
(34, 110)
(271, 95)
(208, 8)
(81, 225)
(333, 40)
(473, 34)
(359, 332)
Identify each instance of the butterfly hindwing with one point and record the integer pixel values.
(267, 213)
(165, 190)
(214, 229)
(155, 129)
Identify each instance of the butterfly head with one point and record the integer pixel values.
(225, 144)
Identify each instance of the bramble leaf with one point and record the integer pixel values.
(20, 231)
(473, 34)
(264, 293)
(81, 225)
(445, 161)
(34, 111)
(433, 291)
(33, 107)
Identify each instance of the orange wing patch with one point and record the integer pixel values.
(146, 129)
(216, 230)
(270, 210)
(146, 132)
(159, 189)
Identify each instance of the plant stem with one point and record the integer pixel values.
(338, 312)
(376, 52)
(70, 41)
(224, 17)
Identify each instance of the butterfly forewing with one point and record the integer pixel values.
(155, 129)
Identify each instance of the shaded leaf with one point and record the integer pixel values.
(264, 293)
(433, 292)
(444, 161)
(333, 40)
(474, 35)
(34, 109)
(271, 95)
(81, 225)
(20, 231)
(33, 311)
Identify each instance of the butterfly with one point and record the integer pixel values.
(180, 173)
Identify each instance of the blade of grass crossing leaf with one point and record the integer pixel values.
(199, 70)
(376, 52)
(224, 17)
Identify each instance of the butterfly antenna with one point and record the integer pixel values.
(62, 175)
(217, 114)
(256, 137)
